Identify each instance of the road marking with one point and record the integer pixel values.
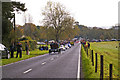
(78, 74)
(27, 71)
(23, 60)
(43, 63)
(52, 58)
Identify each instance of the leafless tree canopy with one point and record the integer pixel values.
(57, 17)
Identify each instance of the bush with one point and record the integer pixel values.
(32, 44)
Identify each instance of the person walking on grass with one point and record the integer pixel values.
(19, 49)
(26, 48)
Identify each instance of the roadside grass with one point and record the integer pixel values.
(88, 69)
(33, 53)
(109, 50)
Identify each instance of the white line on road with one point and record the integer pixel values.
(43, 63)
(52, 58)
(78, 74)
(27, 71)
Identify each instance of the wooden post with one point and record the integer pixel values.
(110, 73)
(87, 52)
(92, 58)
(96, 62)
(91, 55)
(101, 69)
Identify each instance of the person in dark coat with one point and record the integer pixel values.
(26, 48)
(19, 49)
(51, 45)
(40, 47)
(46, 47)
(12, 50)
(43, 47)
(88, 45)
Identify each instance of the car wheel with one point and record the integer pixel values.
(59, 52)
(8, 56)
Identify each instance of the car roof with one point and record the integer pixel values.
(2, 46)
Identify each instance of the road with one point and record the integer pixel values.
(64, 65)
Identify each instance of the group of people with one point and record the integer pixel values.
(83, 42)
(18, 46)
(43, 48)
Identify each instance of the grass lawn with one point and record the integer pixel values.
(33, 53)
(109, 50)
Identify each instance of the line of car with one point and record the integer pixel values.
(56, 48)
(4, 52)
(63, 48)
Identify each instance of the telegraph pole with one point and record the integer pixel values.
(14, 28)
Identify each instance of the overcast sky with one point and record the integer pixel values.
(99, 13)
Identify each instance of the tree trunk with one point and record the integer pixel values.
(57, 37)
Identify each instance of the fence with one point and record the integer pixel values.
(95, 63)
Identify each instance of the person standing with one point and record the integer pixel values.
(12, 50)
(19, 49)
(88, 45)
(26, 48)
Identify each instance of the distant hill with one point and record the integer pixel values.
(98, 33)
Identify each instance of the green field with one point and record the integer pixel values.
(109, 50)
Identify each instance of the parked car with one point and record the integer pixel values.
(106, 40)
(4, 52)
(72, 43)
(66, 46)
(69, 45)
(118, 39)
(62, 48)
(113, 39)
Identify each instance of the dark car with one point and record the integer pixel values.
(113, 39)
(54, 48)
(4, 52)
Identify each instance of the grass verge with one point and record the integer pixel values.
(33, 53)
(87, 67)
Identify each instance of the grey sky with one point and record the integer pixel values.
(99, 13)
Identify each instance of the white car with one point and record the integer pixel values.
(4, 53)
(66, 46)
(62, 48)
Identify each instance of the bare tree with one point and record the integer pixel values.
(57, 17)
(24, 18)
(27, 18)
(30, 18)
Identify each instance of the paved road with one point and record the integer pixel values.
(64, 65)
